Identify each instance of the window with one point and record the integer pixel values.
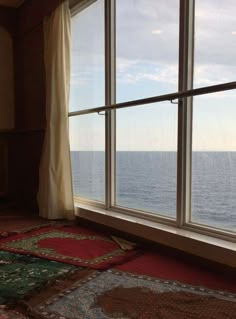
(152, 111)
(214, 117)
(146, 136)
(146, 158)
(87, 133)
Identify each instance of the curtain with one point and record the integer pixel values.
(55, 196)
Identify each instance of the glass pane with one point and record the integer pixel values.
(87, 58)
(147, 42)
(146, 158)
(87, 144)
(214, 160)
(215, 42)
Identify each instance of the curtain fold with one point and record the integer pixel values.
(55, 195)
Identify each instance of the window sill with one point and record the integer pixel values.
(217, 250)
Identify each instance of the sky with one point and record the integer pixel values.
(147, 65)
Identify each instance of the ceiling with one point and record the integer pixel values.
(11, 3)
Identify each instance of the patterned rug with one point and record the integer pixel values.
(4, 234)
(21, 275)
(161, 265)
(73, 245)
(10, 314)
(122, 295)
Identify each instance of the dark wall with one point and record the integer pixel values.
(25, 145)
(8, 22)
(29, 63)
(24, 150)
(8, 19)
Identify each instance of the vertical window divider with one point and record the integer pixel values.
(184, 156)
(110, 98)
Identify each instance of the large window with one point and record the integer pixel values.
(152, 112)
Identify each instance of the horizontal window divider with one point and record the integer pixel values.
(159, 98)
(89, 202)
(210, 231)
(144, 214)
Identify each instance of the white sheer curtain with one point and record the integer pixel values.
(55, 196)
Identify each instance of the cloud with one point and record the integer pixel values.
(141, 71)
(156, 32)
(141, 56)
(211, 74)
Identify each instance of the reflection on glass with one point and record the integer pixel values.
(87, 58)
(147, 36)
(87, 145)
(214, 161)
(146, 158)
(215, 42)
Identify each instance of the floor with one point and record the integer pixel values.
(155, 262)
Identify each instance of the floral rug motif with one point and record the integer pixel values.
(122, 295)
(21, 275)
(73, 245)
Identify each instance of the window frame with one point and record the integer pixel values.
(184, 144)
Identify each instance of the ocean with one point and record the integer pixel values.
(147, 181)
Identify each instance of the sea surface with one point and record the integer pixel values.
(147, 181)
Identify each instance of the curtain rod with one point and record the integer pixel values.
(160, 98)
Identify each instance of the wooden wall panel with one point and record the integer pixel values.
(30, 81)
(8, 19)
(32, 13)
(7, 96)
(29, 63)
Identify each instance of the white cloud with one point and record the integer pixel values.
(211, 74)
(156, 32)
(138, 71)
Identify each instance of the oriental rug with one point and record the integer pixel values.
(10, 314)
(72, 245)
(21, 275)
(122, 295)
(4, 234)
(161, 265)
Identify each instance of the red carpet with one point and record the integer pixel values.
(168, 267)
(73, 245)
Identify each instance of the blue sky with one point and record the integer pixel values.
(147, 65)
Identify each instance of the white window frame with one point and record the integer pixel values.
(184, 153)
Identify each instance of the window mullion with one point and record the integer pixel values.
(110, 94)
(186, 48)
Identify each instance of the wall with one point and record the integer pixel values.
(8, 19)
(6, 81)
(29, 63)
(7, 32)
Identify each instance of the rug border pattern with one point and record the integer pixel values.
(57, 257)
(40, 308)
